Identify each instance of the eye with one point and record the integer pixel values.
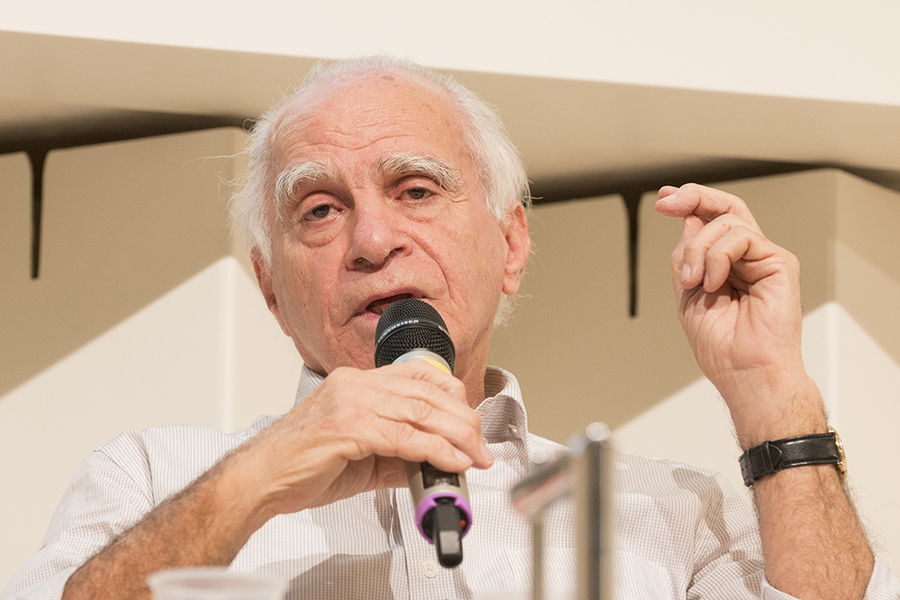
(318, 213)
(418, 193)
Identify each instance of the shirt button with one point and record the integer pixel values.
(429, 568)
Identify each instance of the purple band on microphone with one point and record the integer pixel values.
(431, 501)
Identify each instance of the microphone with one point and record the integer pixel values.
(410, 329)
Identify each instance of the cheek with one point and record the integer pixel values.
(491, 249)
(297, 291)
(481, 260)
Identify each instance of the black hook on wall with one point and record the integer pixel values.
(632, 201)
(37, 158)
(38, 141)
(631, 188)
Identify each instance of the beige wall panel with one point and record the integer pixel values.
(562, 342)
(123, 224)
(679, 408)
(612, 367)
(266, 365)
(15, 227)
(577, 353)
(868, 258)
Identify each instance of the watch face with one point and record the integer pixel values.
(842, 465)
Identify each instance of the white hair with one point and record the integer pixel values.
(500, 168)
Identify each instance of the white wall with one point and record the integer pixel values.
(827, 50)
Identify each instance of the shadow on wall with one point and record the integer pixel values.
(123, 224)
(577, 353)
(126, 222)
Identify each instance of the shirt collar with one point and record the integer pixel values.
(309, 381)
(502, 412)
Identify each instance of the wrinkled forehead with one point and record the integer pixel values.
(354, 106)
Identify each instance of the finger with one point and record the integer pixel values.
(435, 386)
(463, 434)
(666, 191)
(393, 429)
(737, 246)
(695, 250)
(692, 224)
(433, 401)
(414, 445)
(704, 202)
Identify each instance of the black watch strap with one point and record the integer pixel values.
(771, 457)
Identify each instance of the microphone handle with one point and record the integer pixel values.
(443, 513)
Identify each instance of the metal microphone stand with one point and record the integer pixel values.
(587, 474)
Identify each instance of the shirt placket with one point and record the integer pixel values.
(427, 579)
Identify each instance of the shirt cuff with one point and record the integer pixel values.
(49, 589)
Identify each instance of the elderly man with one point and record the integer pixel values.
(376, 181)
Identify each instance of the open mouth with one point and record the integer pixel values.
(379, 306)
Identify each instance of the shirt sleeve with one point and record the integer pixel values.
(882, 586)
(727, 557)
(102, 501)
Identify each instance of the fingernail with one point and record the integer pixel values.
(685, 272)
(669, 197)
(462, 456)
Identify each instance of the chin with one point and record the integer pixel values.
(357, 362)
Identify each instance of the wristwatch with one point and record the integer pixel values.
(771, 457)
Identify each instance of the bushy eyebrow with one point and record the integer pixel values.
(298, 175)
(445, 175)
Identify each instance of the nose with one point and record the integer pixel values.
(377, 236)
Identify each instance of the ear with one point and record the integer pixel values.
(518, 247)
(264, 279)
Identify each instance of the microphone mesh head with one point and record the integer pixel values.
(408, 325)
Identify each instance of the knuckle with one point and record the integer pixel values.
(339, 375)
(476, 421)
(457, 387)
(728, 221)
(471, 438)
(791, 260)
(421, 411)
(677, 256)
(693, 252)
(401, 437)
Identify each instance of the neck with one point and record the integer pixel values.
(472, 374)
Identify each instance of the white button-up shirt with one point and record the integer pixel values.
(681, 532)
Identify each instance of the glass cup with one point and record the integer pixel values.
(214, 583)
